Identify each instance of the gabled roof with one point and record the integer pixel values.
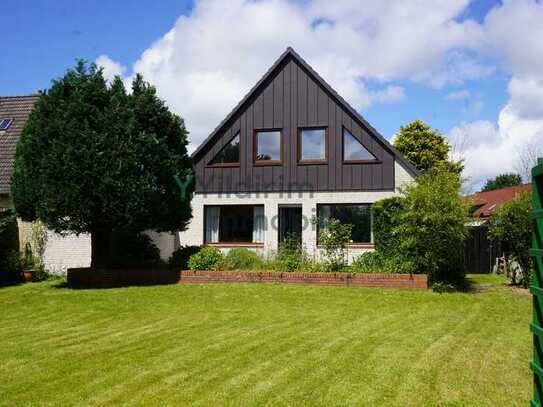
(290, 53)
(18, 109)
(488, 202)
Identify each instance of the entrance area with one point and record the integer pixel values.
(290, 223)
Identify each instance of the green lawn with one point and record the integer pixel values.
(264, 344)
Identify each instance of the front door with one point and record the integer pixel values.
(290, 223)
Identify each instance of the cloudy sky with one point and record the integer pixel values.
(472, 69)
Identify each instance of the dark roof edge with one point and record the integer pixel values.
(290, 52)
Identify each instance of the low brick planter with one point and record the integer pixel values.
(418, 281)
(88, 277)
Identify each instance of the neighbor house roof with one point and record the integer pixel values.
(290, 53)
(16, 108)
(486, 203)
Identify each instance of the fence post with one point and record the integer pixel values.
(536, 287)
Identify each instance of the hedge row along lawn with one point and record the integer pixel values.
(265, 344)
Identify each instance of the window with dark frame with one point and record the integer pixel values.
(5, 124)
(229, 154)
(354, 150)
(267, 146)
(358, 215)
(233, 224)
(312, 144)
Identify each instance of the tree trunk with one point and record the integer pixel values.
(101, 248)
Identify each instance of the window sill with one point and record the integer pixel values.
(234, 244)
(312, 162)
(267, 163)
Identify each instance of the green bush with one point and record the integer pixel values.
(180, 257)
(242, 259)
(386, 216)
(208, 258)
(291, 255)
(10, 266)
(511, 225)
(432, 227)
(376, 262)
(334, 237)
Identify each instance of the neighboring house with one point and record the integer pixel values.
(14, 111)
(480, 253)
(291, 150)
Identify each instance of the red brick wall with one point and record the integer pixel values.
(125, 277)
(357, 280)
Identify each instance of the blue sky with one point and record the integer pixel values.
(47, 37)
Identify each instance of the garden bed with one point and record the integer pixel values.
(338, 279)
(87, 277)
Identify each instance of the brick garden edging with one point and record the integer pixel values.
(417, 281)
(87, 277)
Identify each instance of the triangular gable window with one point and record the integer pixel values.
(229, 154)
(354, 150)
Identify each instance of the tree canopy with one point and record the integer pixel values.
(425, 147)
(94, 158)
(502, 181)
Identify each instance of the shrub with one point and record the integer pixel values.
(386, 216)
(511, 225)
(333, 237)
(377, 262)
(180, 257)
(441, 287)
(432, 227)
(242, 259)
(10, 270)
(291, 256)
(208, 258)
(132, 249)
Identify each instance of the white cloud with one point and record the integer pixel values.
(390, 94)
(111, 67)
(459, 95)
(211, 57)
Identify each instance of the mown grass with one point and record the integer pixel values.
(264, 344)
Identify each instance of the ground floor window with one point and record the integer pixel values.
(358, 215)
(234, 224)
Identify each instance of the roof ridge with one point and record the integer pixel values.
(33, 95)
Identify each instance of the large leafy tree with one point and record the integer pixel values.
(502, 181)
(96, 159)
(425, 147)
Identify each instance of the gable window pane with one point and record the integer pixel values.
(313, 144)
(358, 215)
(268, 145)
(354, 150)
(229, 154)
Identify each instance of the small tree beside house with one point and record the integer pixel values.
(96, 159)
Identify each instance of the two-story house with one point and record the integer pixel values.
(291, 151)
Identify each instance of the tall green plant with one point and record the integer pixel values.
(334, 237)
(386, 217)
(432, 227)
(511, 225)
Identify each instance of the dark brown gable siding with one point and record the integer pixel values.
(290, 99)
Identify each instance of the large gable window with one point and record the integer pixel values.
(312, 145)
(358, 215)
(229, 154)
(267, 147)
(354, 151)
(234, 224)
